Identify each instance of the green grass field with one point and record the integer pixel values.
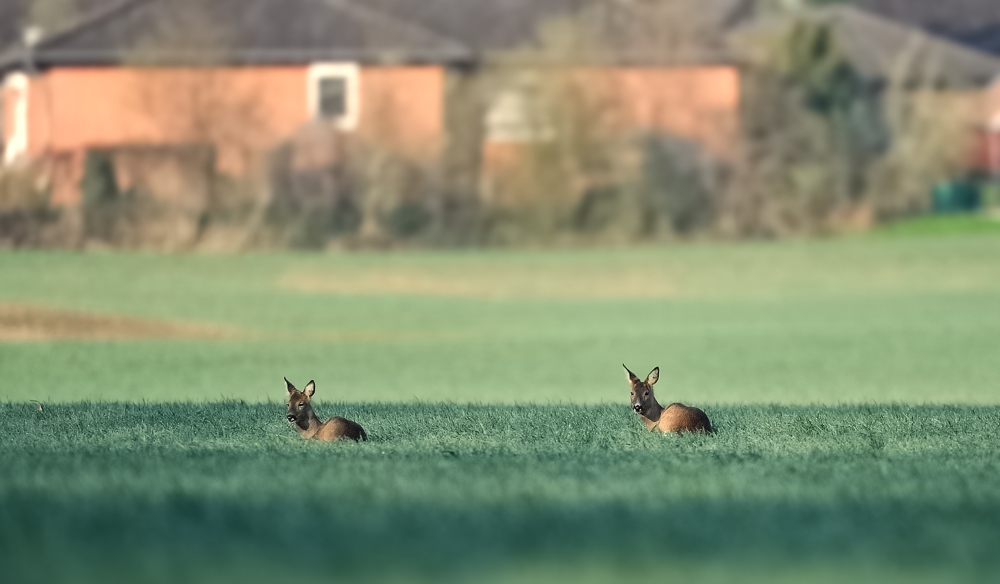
(855, 385)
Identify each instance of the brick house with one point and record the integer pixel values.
(138, 73)
(971, 23)
(244, 75)
(888, 44)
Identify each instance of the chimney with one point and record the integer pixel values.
(31, 36)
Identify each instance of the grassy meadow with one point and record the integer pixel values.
(855, 385)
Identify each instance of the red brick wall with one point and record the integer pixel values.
(241, 111)
(403, 107)
(700, 104)
(993, 128)
(697, 103)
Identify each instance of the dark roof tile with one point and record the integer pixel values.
(262, 31)
(15, 14)
(496, 25)
(972, 22)
(882, 49)
(243, 31)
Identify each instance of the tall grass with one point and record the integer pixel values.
(501, 444)
(227, 491)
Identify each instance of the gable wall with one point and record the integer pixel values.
(695, 103)
(242, 111)
(699, 104)
(992, 134)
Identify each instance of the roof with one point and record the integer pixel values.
(481, 25)
(488, 26)
(239, 32)
(450, 31)
(975, 23)
(374, 31)
(881, 49)
(11, 18)
(678, 32)
(15, 16)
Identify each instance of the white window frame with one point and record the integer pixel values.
(351, 74)
(16, 145)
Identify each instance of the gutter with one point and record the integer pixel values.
(45, 58)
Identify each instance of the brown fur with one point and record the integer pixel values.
(301, 414)
(673, 418)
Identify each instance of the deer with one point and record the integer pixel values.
(675, 418)
(301, 414)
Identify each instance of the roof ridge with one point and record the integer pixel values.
(89, 19)
(370, 13)
(917, 31)
(740, 12)
(18, 53)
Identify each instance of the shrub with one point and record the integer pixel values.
(408, 219)
(101, 196)
(26, 216)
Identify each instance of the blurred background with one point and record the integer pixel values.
(460, 217)
(532, 165)
(263, 124)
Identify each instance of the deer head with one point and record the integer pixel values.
(299, 407)
(643, 400)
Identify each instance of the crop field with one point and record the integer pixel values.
(854, 384)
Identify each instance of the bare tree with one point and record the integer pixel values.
(582, 143)
(188, 96)
(932, 129)
(182, 83)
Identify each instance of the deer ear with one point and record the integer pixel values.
(653, 376)
(631, 376)
(289, 386)
(310, 389)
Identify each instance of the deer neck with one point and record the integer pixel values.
(652, 417)
(312, 425)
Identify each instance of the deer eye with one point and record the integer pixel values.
(645, 394)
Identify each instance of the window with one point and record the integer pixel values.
(517, 113)
(332, 98)
(333, 94)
